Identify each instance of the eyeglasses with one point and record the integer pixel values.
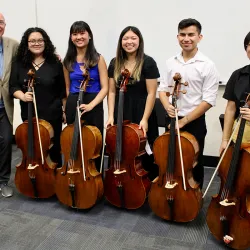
(34, 42)
(2, 23)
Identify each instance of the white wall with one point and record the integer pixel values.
(224, 28)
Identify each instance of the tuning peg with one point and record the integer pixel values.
(185, 83)
(183, 91)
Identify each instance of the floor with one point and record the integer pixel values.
(27, 224)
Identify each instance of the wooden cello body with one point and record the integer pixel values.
(35, 176)
(167, 198)
(126, 183)
(174, 194)
(78, 183)
(228, 215)
(71, 188)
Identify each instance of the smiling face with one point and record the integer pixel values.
(2, 25)
(189, 38)
(130, 42)
(80, 39)
(36, 43)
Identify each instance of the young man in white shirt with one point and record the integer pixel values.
(203, 82)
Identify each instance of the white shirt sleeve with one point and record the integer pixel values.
(210, 86)
(164, 81)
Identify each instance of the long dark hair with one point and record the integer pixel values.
(121, 55)
(26, 57)
(91, 56)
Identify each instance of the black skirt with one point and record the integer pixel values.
(95, 117)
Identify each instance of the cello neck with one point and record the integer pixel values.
(118, 150)
(172, 143)
(171, 148)
(31, 74)
(30, 132)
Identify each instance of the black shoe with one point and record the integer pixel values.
(6, 190)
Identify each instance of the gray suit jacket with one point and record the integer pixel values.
(9, 50)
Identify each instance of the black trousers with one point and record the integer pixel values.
(95, 117)
(199, 130)
(55, 151)
(6, 131)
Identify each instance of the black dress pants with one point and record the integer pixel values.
(5, 147)
(55, 151)
(199, 130)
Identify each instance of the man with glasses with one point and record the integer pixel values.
(8, 48)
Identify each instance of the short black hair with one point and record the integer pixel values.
(246, 41)
(185, 23)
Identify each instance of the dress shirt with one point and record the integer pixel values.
(202, 78)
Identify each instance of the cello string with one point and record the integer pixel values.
(80, 134)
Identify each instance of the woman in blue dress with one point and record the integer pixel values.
(82, 53)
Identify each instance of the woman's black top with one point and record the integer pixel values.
(238, 86)
(49, 88)
(136, 96)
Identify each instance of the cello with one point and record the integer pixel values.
(126, 183)
(78, 183)
(174, 195)
(228, 215)
(35, 176)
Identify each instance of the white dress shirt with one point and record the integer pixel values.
(202, 78)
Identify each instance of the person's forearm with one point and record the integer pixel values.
(164, 100)
(228, 124)
(201, 109)
(99, 98)
(150, 102)
(111, 104)
(19, 95)
(64, 100)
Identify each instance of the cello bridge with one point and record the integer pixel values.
(32, 167)
(71, 171)
(170, 186)
(118, 171)
(225, 203)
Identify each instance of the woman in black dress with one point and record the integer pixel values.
(140, 97)
(37, 52)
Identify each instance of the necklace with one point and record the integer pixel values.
(38, 65)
